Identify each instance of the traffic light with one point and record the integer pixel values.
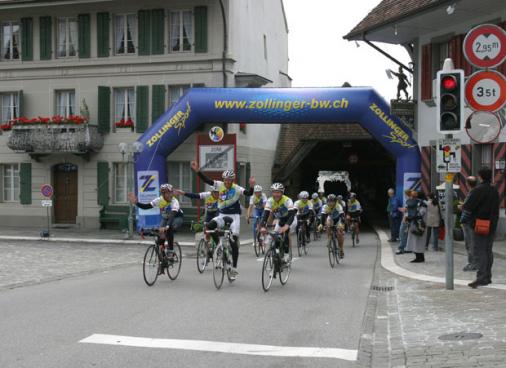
(450, 101)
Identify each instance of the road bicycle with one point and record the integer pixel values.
(334, 253)
(158, 258)
(259, 240)
(302, 238)
(354, 221)
(274, 263)
(205, 251)
(222, 257)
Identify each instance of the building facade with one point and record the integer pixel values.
(119, 65)
(432, 31)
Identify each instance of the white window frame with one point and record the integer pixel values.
(126, 170)
(181, 29)
(124, 115)
(67, 93)
(135, 32)
(11, 24)
(181, 89)
(182, 165)
(13, 196)
(67, 21)
(13, 106)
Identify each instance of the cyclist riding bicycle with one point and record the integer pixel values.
(256, 207)
(210, 199)
(333, 214)
(317, 207)
(283, 210)
(228, 206)
(304, 211)
(172, 215)
(354, 211)
(321, 195)
(342, 202)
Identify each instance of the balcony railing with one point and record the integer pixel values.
(55, 138)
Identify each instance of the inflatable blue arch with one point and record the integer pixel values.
(272, 106)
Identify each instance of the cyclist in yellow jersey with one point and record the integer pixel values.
(317, 207)
(333, 214)
(283, 210)
(354, 211)
(172, 215)
(210, 199)
(256, 208)
(304, 212)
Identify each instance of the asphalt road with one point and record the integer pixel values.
(42, 325)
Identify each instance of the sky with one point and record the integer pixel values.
(320, 57)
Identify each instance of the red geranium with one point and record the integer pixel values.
(124, 124)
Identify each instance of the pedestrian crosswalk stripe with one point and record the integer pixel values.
(223, 347)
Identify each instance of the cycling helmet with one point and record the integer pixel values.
(277, 186)
(257, 188)
(165, 188)
(353, 195)
(314, 195)
(303, 195)
(340, 197)
(331, 198)
(214, 188)
(228, 174)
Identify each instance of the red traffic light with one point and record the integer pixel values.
(449, 82)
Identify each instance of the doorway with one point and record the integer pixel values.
(65, 193)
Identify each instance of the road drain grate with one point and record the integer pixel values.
(459, 336)
(382, 288)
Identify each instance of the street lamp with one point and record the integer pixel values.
(130, 150)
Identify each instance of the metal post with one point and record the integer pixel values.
(48, 223)
(130, 205)
(449, 227)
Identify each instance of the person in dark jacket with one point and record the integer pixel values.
(483, 204)
(394, 215)
(468, 230)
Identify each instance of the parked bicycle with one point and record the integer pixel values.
(159, 258)
(274, 263)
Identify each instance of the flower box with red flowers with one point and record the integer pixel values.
(124, 123)
(57, 119)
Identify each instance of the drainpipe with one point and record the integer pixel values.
(225, 45)
(386, 54)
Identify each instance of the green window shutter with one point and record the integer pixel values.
(45, 38)
(20, 103)
(200, 28)
(104, 109)
(103, 34)
(141, 106)
(103, 183)
(25, 183)
(157, 102)
(26, 39)
(144, 17)
(157, 31)
(84, 35)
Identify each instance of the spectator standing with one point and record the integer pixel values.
(433, 221)
(394, 215)
(403, 231)
(468, 230)
(417, 230)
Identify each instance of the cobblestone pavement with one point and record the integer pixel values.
(402, 326)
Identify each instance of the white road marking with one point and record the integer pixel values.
(223, 347)
(262, 259)
(388, 262)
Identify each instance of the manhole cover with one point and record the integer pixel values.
(459, 336)
(382, 288)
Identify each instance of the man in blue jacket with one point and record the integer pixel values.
(394, 215)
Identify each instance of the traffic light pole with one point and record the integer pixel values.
(449, 227)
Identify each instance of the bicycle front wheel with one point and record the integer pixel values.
(284, 271)
(256, 245)
(218, 267)
(332, 258)
(151, 265)
(268, 270)
(300, 240)
(202, 256)
(174, 266)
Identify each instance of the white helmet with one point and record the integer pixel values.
(277, 186)
(340, 197)
(165, 188)
(353, 195)
(314, 195)
(257, 188)
(304, 195)
(228, 174)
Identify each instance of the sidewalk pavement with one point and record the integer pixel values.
(407, 318)
(94, 236)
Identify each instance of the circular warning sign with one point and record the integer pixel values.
(483, 126)
(486, 91)
(46, 190)
(485, 46)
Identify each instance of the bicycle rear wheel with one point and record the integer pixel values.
(268, 270)
(151, 265)
(218, 267)
(256, 245)
(202, 256)
(330, 247)
(174, 266)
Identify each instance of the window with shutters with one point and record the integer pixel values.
(122, 173)
(124, 104)
(181, 31)
(125, 34)
(10, 41)
(440, 52)
(179, 175)
(175, 93)
(65, 103)
(10, 106)
(10, 182)
(66, 37)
